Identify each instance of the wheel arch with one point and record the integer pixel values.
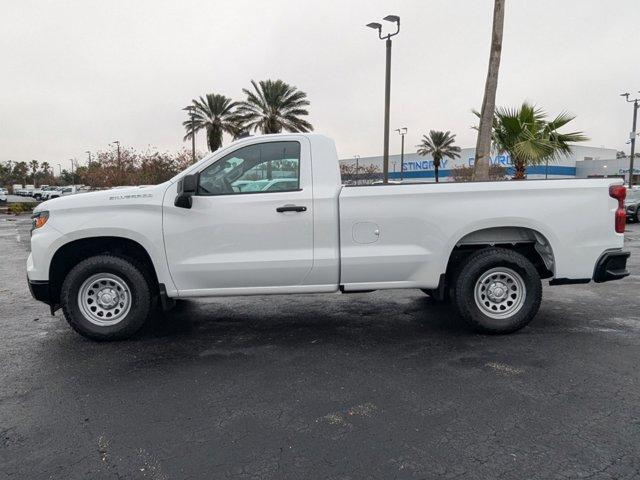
(71, 253)
(529, 241)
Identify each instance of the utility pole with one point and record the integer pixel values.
(632, 135)
(402, 131)
(387, 88)
(89, 156)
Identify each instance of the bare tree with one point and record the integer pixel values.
(483, 145)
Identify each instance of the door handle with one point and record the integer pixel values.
(291, 208)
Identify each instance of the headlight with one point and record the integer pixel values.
(39, 219)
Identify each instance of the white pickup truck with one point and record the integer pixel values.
(109, 258)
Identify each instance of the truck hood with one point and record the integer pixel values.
(116, 196)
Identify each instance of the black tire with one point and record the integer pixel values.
(140, 297)
(637, 215)
(498, 267)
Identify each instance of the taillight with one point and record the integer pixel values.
(619, 192)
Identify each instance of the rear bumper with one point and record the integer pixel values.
(612, 265)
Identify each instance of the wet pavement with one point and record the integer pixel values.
(381, 385)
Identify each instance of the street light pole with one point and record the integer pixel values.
(192, 111)
(402, 131)
(193, 136)
(387, 88)
(546, 169)
(88, 155)
(632, 135)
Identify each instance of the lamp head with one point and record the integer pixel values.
(375, 26)
(392, 18)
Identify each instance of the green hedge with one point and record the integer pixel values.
(20, 207)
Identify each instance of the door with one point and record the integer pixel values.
(250, 226)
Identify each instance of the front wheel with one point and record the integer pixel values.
(498, 291)
(106, 298)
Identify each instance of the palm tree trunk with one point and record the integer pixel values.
(436, 167)
(211, 143)
(520, 170)
(483, 145)
(214, 138)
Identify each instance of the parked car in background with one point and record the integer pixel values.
(3, 196)
(632, 204)
(47, 194)
(63, 192)
(273, 185)
(4, 191)
(38, 192)
(15, 188)
(107, 258)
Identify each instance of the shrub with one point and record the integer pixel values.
(18, 208)
(465, 174)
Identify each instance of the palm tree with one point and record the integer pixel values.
(529, 139)
(214, 113)
(46, 170)
(483, 145)
(439, 145)
(33, 164)
(274, 106)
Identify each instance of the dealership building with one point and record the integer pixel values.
(583, 162)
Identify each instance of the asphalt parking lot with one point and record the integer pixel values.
(381, 385)
(19, 199)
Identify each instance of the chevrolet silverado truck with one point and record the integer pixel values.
(111, 258)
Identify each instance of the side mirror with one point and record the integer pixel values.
(186, 189)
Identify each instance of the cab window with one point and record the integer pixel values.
(264, 167)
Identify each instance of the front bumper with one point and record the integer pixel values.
(40, 291)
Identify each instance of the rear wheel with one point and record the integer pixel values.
(497, 291)
(106, 298)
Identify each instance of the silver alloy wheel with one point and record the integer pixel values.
(104, 299)
(500, 293)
